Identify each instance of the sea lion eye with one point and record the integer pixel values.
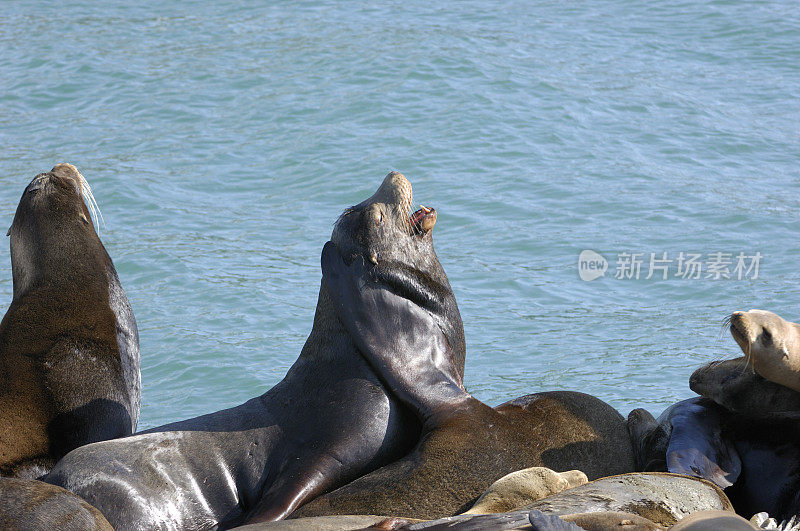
(767, 336)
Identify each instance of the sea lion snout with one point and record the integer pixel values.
(66, 175)
(67, 172)
(739, 327)
(37, 183)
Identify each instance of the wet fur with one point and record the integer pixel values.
(64, 380)
(329, 421)
(466, 445)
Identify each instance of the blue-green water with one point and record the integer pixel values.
(223, 141)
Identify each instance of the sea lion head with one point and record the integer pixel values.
(400, 244)
(771, 345)
(52, 228)
(734, 385)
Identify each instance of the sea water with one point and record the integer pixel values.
(223, 139)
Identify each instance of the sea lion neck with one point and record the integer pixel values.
(328, 337)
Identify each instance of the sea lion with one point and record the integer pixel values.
(612, 520)
(69, 346)
(528, 520)
(713, 521)
(660, 497)
(736, 387)
(30, 505)
(650, 440)
(688, 437)
(329, 421)
(523, 487)
(757, 461)
(770, 477)
(771, 344)
(466, 445)
(348, 522)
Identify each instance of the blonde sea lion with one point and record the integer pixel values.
(771, 345)
(713, 521)
(523, 487)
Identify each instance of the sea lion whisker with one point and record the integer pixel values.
(748, 361)
(726, 326)
(88, 195)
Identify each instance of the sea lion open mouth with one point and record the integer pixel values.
(423, 220)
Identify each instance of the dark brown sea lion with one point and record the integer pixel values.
(734, 385)
(328, 422)
(69, 347)
(465, 445)
(689, 438)
(31, 505)
(756, 460)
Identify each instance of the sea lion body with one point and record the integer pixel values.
(69, 346)
(30, 505)
(329, 421)
(612, 520)
(466, 445)
(660, 497)
(734, 385)
(713, 521)
(693, 441)
(523, 487)
(646, 501)
(212, 469)
(770, 476)
(756, 460)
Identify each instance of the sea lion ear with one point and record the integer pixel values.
(9, 231)
(335, 270)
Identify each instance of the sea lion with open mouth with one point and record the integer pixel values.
(329, 421)
(465, 445)
(69, 347)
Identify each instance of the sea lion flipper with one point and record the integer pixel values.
(697, 446)
(402, 341)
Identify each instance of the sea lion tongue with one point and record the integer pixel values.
(423, 220)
